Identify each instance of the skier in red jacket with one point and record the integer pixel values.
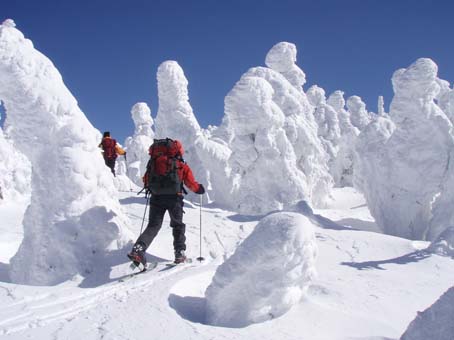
(166, 173)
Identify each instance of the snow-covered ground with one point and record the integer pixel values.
(369, 285)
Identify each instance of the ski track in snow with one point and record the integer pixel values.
(40, 310)
(361, 276)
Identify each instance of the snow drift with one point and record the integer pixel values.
(266, 275)
(137, 145)
(73, 218)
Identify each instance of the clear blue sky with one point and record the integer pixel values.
(108, 51)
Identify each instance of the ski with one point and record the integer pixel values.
(149, 267)
(173, 264)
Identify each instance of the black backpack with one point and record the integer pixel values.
(162, 168)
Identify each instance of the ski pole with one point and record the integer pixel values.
(200, 259)
(127, 172)
(144, 213)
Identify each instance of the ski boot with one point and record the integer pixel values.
(137, 255)
(180, 257)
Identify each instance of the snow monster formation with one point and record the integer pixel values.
(358, 113)
(408, 168)
(264, 167)
(300, 125)
(73, 219)
(257, 111)
(328, 125)
(175, 118)
(343, 164)
(267, 274)
(137, 146)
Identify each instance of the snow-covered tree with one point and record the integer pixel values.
(282, 58)
(287, 80)
(369, 167)
(267, 274)
(328, 125)
(137, 146)
(409, 178)
(175, 118)
(381, 106)
(73, 219)
(264, 172)
(343, 167)
(15, 172)
(358, 113)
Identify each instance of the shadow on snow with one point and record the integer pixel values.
(413, 257)
(190, 308)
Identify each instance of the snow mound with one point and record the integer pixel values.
(444, 244)
(267, 274)
(436, 322)
(74, 218)
(137, 146)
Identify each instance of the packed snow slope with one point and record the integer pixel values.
(369, 285)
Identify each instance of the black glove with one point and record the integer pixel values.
(201, 190)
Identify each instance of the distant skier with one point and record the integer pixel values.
(164, 178)
(110, 150)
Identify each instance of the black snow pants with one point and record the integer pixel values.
(158, 207)
(111, 164)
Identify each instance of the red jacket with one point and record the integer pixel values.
(184, 173)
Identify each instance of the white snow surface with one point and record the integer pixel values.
(406, 167)
(137, 146)
(434, 323)
(74, 216)
(368, 285)
(267, 274)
